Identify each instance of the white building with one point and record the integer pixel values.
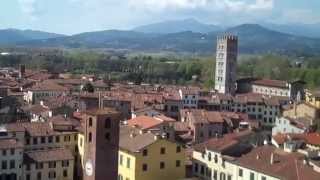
(43, 90)
(284, 125)
(226, 64)
(293, 90)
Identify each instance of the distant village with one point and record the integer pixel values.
(63, 127)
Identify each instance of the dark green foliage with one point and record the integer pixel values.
(169, 69)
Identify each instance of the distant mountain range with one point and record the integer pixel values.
(9, 36)
(167, 27)
(167, 36)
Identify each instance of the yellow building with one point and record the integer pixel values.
(145, 156)
(313, 98)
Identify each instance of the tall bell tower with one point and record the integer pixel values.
(101, 132)
(226, 64)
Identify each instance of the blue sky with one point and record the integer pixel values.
(74, 16)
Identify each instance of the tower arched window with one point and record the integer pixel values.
(107, 123)
(90, 122)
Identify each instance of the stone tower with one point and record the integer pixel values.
(101, 132)
(226, 64)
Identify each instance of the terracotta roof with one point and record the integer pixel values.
(48, 155)
(133, 141)
(10, 143)
(144, 122)
(287, 166)
(37, 109)
(225, 143)
(35, 129)
(102, 111)
(313, 139)
(62, 120)
(48, 85)
(308, 138)
(271, 83)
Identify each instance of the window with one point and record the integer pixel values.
(52, 175)
(57, 139)
(251, 176)
(215, 174)
(65, 173)
(50, 139)
(163, 150)
(128, 162)
(65, 163)
(229, 177)
(39, 165)
(107, 123)
(121, 159)
(4, 165)
(107, 136)
(240, 173)
(222, 176)
(215, 158)
(209, 156)
(90, 122)
(196, 167)
(90, 137)
(35, 140)
(144, 167)
(27, 141)
(43, 140)
(12, 151)
(178, 149)
(52, 164)
(263, 178)
(4, 152)
(28, 177)
(145, 152)
(178, 163)
(12, 164)
(162, 165)
(202, 170)
(39, 176)
(28, 167)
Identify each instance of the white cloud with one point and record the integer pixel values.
(28, 8)
(229, 5)
(304, 16)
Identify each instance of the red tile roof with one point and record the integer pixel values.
(49, 155)
(288, 166)
(271, 83)
(145, 122)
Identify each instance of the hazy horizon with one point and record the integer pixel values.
(77, 16)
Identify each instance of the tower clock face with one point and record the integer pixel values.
(89, 168)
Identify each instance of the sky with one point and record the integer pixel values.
(75, 16)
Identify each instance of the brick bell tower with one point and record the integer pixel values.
(101, 132)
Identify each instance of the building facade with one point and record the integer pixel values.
(146, 156)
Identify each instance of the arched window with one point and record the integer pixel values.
(107, 123)
(90, 137)
(222, 176)
(90, 122)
